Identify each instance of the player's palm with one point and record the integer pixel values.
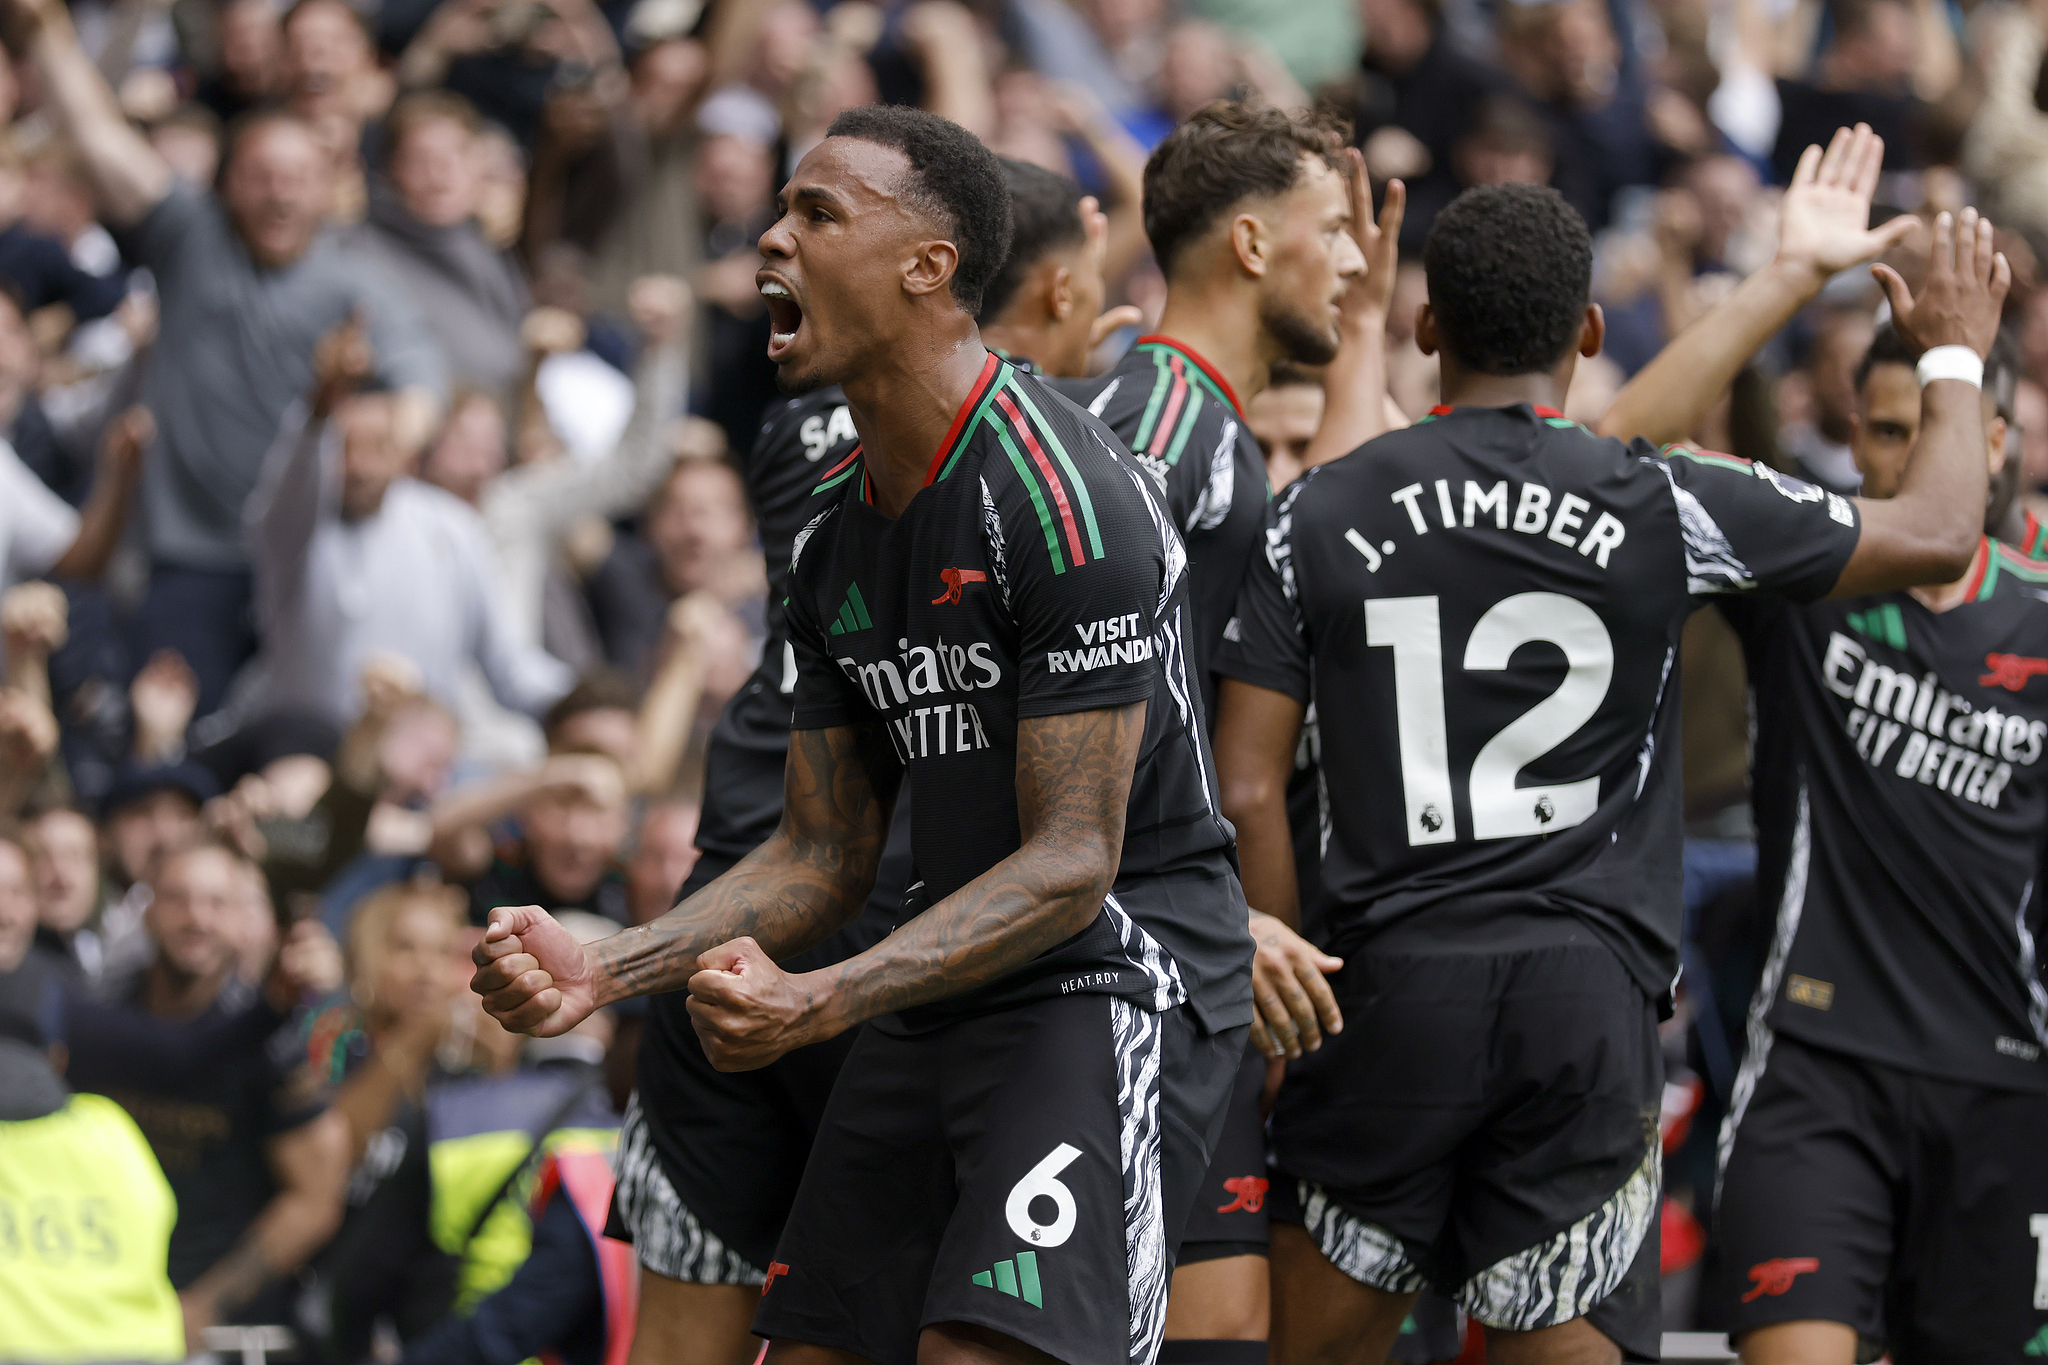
(1824, 221)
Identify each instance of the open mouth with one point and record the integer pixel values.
(785, 317)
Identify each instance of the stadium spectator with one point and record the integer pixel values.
(664, 851)
(422, 233)
(353, 558)
(249, 285)
(1283, 420)
(256, 1162)
(572, 822)
(380, 1046)
(64, 867)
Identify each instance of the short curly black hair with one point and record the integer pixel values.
(955, 179)
(1509, 268)
(1045, 216)
(1228, 151)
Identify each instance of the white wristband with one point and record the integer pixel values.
(1950, 362)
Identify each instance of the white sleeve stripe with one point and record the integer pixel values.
(1711, 564)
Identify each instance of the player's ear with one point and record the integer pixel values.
(1059, 293)
(1593, 331)
(1425, 330)
(931, 267)
(1248, 243)
(1994, 441)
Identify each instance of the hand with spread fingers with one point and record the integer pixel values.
(1379, 241)
(1963, 296)
(1290, 990)
(1824, 218)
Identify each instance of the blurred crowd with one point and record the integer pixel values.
(376, 381)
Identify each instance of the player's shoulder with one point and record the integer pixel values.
(2011, 574)
(1699, 472)
(1161, 393)
(1032, 436)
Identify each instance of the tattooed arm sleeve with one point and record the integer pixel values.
(811, 876)
(1073, 785)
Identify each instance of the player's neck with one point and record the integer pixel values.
(1466, 388)
(1223, 329)
(904, 407)
(1023, 342)
(1941, 597)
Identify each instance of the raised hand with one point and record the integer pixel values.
(1295, 1005)
(1379, 241)
(34, 619)
(129, 436)
(1824, 220)
(533, 975)
(552, 331)
(341, 363)
(660, 307)
(1964, 293)
(162, 698)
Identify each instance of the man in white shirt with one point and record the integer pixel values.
(353, 558)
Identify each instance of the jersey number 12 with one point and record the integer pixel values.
(1500, 809)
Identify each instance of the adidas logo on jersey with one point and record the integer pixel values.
(1018, 1278)
(853, 612)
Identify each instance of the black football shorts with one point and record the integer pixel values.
(1026, 1171)
(1910, 1208)
(1230, 1214)
(1486, 1124)
(709, 1161)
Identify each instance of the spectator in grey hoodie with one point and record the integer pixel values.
(422, 235)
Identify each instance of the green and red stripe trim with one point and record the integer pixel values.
(840, 473)
(2034, 537)
(1209, 373)
(994, 374)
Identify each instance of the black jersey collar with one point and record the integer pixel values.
(1203, 367)
(1542, 410)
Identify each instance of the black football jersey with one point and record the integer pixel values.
(1035, 574)
(750, 743)
(1901, 803)
(1485, 610)
(1183, 422)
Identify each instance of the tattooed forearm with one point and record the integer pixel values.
(1073, 784)
(812, 875)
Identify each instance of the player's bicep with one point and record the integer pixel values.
(1897, 549)
(1074, 785)
(839, 787)
(1266, 641)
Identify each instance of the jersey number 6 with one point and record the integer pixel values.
(1500, 809)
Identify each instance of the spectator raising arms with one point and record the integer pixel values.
(354, 558)
(249, 285)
